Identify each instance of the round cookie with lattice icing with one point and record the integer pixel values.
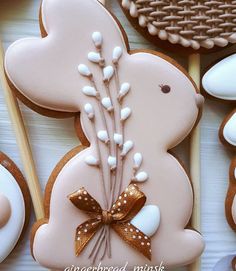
(192, 25)
(122, 191)
(14, 206)
(230, 202)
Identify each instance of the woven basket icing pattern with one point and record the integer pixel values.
(189, 23)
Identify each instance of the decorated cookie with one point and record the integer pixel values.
(220, 80)
(193, 25)
(227, 263)
(227, 132)
(230, 203)
(122, 197)
(14, 206)
(234, 264)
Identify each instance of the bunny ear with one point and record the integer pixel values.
(79, 17)
(45, 70)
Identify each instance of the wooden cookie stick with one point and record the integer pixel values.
(195, 167)
(22, 141)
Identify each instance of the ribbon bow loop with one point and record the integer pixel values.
(85, 202)
(128, 204)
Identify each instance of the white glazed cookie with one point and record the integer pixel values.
(138, 196)
(220, 80)
(227, 132)
(14, 199)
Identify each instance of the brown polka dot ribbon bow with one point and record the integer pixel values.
(118, 218)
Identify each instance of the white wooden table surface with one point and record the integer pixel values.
(51, 139)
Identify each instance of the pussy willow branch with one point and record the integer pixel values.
(112, 116)
(100, 238)
(103, 117)
(104, 237)
(119, 178)
(113, 152)
(100, 164)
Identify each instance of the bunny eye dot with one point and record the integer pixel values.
(165, 88)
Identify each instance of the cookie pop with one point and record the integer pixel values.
(138, 196)
(22, 141)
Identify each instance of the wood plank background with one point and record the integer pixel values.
(19, 18)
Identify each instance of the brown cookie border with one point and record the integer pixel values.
(221, 131)
(230, 195)
(8, 164)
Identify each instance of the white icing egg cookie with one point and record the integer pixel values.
(220, 80)
(230, 202)
(14, 206)
(227, 132)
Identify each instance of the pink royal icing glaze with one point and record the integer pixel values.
(45, 71)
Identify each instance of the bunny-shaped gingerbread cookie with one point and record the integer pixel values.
(134, 106)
